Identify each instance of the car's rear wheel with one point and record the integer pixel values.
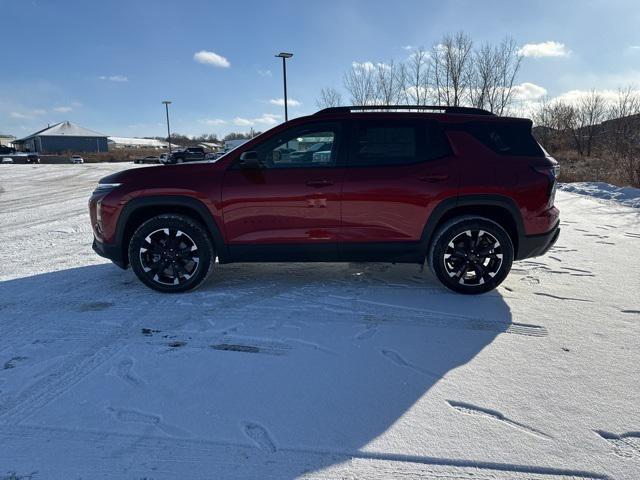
(171, 253)
(471, 254)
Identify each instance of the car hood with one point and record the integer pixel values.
(163, 175)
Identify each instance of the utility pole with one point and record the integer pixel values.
(166, 104)
(284, 56)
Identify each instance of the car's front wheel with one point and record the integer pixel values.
(171, 253)
(471, 254)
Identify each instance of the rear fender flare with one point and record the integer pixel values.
(479, 200)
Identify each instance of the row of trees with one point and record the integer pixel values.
(452, 73)
(595, 125)
(186, 141)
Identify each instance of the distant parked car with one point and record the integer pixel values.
(191, 154)
(5, 150)
(147, 159)
(76, 159)
(7, 160)
(23, 157)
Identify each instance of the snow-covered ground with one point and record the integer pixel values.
(625, 195)
(312, 370)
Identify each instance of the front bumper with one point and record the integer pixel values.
(536, 245)
(112, 252)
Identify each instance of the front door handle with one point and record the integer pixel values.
(319, 183)
(434, 178)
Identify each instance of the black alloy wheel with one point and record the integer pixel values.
(471, 255)
(171, 253)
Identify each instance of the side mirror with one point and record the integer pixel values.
(249, 160)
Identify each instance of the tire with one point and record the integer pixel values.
(171, 253)
(471, 255)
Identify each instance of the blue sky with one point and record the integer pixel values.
(107, 65)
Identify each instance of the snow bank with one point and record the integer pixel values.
(626, 195)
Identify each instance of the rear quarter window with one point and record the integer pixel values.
(507, 138)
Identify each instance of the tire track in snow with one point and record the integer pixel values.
(558, 297)
(469, 409)
(63, 376)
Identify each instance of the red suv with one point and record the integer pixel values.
(461, 188)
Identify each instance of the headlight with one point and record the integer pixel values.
(106, 187)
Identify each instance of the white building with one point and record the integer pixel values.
(6, 140)
(133, 142)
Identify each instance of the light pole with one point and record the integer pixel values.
(284, 56)
(166, 105)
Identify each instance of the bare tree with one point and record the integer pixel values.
(622, 133)
(508, 63)
(329, 97)
(555, 123)
(416, 74)
(384, 83)
(591, 112)
(451, 60)
(492, 76)
(482, 76)
(360, 83)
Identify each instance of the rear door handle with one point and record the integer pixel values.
(434, 178)
(319, 183)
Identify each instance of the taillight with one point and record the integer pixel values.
(551, 172)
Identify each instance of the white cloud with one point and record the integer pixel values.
(212, 122)
(265, 119)
(369, 66)
(528, 91)
(366, 66)
(265, 73)
(211, 58)
(634, 48)
(28, 114)
(62, 109)
(280, 102)
(408, 47)
(242, 122)
(114, 78)
(544, 49)
(573, 97)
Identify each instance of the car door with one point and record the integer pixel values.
(396, 172)
(293, 198)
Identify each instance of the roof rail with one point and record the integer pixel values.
(440, 108)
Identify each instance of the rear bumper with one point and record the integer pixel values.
(536, 245)
(112, 252)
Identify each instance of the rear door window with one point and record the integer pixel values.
(385, 145)
(396, 143)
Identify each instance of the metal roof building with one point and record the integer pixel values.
(63, 137)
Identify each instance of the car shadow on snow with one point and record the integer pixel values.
(349, 351)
